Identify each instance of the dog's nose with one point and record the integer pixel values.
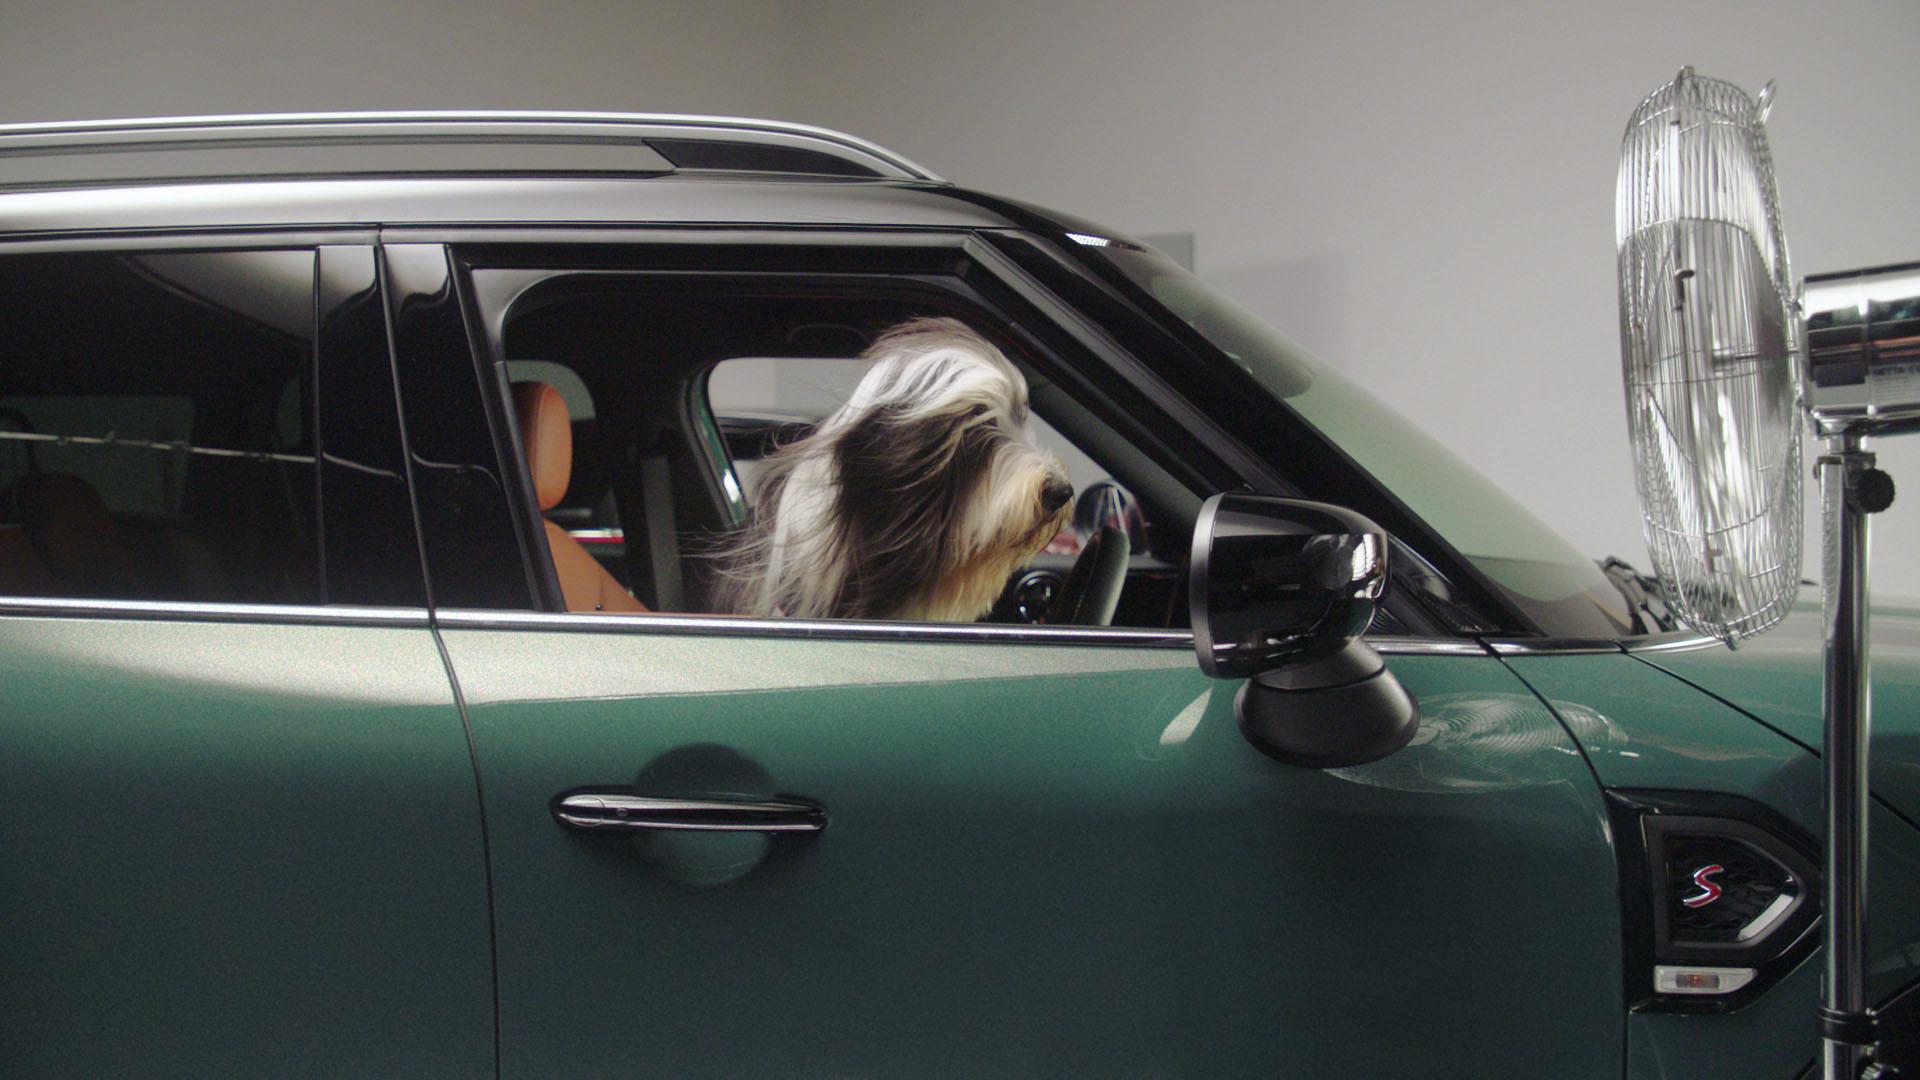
(1055, 493)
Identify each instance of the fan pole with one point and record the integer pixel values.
(1846, 1027)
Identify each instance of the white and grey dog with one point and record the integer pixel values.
(914, 500)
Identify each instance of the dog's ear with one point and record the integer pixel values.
(903, 482)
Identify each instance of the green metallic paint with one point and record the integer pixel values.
(1758, 1042)
(248, 850)
(1777, 676)
(1643, 728)
(1040, 860)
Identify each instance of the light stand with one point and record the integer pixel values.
(1852, 489)
(1860, 354)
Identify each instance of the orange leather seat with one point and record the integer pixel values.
(548, 436)
(22, 573)
(76, 536)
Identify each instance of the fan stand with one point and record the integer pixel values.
(1852, 489)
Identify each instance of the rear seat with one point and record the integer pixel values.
(67, 525)
(22, 572)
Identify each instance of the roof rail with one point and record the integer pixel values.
(655, 142)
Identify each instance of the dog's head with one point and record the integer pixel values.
(919, 496)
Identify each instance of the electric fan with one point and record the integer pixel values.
(1714, 354)
(1706, 340)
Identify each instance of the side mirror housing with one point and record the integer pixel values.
(1281, 591)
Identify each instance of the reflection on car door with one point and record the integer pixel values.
(236, 848)
(1039, 859)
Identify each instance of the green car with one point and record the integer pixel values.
(342, 735)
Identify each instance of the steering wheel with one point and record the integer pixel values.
(1092, 589)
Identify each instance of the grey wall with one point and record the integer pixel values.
(88, 58)
(1421, 193)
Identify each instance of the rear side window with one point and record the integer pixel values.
(157, 427)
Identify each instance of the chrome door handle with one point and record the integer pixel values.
(591, 810)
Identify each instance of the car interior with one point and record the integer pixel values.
(153, 445)
(663, 448)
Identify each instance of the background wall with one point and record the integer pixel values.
(1420, 193)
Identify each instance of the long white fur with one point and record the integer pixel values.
(800, 556)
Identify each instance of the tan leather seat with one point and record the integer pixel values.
(548, 436)
(22, 573)
(74, 532)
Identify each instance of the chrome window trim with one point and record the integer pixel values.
(713, 625)
(826, 629)
(1419, 646)
(850, 630)
(1677, 641)
(189, 611)
(1553, 646)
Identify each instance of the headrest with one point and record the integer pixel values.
(547, 434)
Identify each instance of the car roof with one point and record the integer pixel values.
(435, 168)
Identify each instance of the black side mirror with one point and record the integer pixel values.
(1281, 590)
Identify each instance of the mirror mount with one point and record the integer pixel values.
(1281, 591)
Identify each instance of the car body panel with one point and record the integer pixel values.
(1776, 678)
(1642, 728)
(1773, 1037)
(237, 849)
(1040, 859)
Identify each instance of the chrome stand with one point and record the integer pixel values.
(1852, 489)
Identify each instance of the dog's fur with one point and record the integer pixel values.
(914, 500)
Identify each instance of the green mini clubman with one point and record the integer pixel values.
(355, 721)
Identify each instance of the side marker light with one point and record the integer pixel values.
(1669, 979)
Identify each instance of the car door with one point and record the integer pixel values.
(238, 821)
(872, 849)
(1040, 857)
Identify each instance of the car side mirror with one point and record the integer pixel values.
(1281, 590)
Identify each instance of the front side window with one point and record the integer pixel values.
(156, 427)
(762, 403)
(964, 493)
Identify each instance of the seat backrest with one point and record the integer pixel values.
(22, 571)
(75, 535)
(546, 435)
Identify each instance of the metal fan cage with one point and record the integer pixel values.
(1710, 341)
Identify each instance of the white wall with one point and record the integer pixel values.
(1421, 193)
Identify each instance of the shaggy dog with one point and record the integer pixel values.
(914, 500)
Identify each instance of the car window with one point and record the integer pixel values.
(157, 427)
(696, 388)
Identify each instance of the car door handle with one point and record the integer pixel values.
(590, 810)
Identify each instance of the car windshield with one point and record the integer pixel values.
(1514, 549)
